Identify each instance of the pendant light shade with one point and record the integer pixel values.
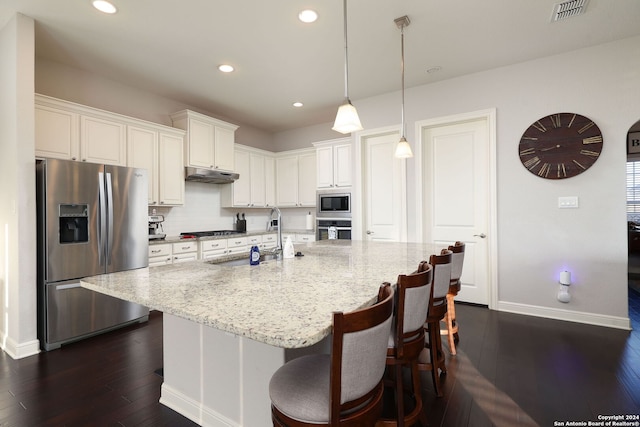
(347, 119)
(403, 149)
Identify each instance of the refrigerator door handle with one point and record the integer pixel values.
(102, 216)
(109, 218)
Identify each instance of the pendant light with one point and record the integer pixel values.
(403, 149)
(347, 119)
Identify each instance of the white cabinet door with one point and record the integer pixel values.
(103, 141)
(142, 152)
(57, 133)
(287, 181)
(224, 140)
(185, 251)
(242, 186)
(257, 172)
(334, 166)
(325, 167)
(296, 180)
(342, 165)
(307, 179)
(201, 136)
(160, 254)
(269, 181)
(170, 170)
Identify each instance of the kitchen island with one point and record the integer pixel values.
(226, 329)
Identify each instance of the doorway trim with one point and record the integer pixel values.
(489, 116)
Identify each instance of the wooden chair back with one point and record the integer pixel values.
(457, 260)
(413, 292)
(358, 354)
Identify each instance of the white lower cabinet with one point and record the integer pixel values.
(212, 249)
(237, 245)
(185, 251)
(160, 254)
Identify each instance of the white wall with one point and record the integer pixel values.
(18, 334)
(72, 84)
(536, 240)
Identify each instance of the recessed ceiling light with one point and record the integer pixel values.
(104, 6)
(308, 16)
(225, 68)
(298, 104)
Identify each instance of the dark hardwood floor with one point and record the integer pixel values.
(511, 370)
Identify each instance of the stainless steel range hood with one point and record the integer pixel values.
(209, 176)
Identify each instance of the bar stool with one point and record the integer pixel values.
(451, 324)
(344, 388)
(406, 341)
(432, 357)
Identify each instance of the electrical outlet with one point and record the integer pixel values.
(568, 202)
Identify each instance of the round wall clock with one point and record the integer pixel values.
(560, 146)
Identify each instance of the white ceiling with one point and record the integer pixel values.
(173, 48)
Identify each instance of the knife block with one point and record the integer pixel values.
(241, 225)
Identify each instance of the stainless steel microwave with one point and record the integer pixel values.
(333, 204)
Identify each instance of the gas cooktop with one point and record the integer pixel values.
(211, 233)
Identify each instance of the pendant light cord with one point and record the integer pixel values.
(346, 55)
(402, 68)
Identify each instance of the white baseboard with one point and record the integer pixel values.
(19, 350)
(568, 315)
(192, 409)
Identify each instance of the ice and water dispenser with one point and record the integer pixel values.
(74, 223)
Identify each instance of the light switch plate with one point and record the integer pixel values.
(568, 202)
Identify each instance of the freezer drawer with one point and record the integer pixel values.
(73, 312)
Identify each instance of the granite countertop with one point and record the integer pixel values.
(286, 303)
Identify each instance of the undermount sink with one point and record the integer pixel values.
(243, 261)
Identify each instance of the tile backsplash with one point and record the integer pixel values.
(202, 211)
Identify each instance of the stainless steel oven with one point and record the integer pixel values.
(337, 228)
(333, 204)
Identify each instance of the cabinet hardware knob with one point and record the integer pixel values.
(370, 232)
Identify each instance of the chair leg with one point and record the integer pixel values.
(399, 396)
(417, 393)
(452, 329)
(434, 346)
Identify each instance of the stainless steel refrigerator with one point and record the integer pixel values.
(92, 219)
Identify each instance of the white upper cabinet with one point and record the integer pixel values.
(255, 186)
(334, 164)
(57, 133)
(170, 169)
(159, 150)
(142, 152)
(209, 142)
(65, 130)
(103, 141)
(296, 179)
(70, 131)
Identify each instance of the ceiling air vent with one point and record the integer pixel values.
(567, 9)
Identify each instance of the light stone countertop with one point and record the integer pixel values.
(286, 303)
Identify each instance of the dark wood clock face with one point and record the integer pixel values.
(560, 146)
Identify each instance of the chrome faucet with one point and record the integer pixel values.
(278, 249)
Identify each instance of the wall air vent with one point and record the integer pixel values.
(567, 9)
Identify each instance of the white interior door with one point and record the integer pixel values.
(384, 189)
(456, 197)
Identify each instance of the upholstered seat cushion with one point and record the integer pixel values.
(300, 388)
